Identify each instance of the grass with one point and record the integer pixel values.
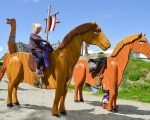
(136, 91)
(1, 62)
(85, 88)
(136, 69)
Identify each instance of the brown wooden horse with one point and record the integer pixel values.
(62, 62)
(113, 72)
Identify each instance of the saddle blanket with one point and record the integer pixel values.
(96, 64)
(47, 48)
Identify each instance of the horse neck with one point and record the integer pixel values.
(73, 50)
(123, 57)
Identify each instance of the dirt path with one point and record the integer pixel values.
(36, 104)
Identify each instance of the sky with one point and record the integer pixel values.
(117, 18)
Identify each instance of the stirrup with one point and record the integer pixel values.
(40, 74)
(40, 83)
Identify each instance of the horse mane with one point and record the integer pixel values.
(78, 30)
(125, 41)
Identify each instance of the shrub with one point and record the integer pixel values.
(100, 54)
(1, 63)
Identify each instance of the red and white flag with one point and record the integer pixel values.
(52, 23)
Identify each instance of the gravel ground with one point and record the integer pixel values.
(35, 104)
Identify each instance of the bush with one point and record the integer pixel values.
(100, 54)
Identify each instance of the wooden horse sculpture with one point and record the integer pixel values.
(113, 71)
(62, 61)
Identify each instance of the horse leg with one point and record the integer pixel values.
(9, 95)
(76, 92)
(113, 76)
(115, 99)
(80, 92)
(61, 82)
(62, 101)
(13, 76)
(15, 99)
(79, 78)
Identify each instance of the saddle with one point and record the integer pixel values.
(32, 63)
(96, 68)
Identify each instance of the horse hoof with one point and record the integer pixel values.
(81, 100)
(117, 106)
(76, 101)
(63, 113)
(17, 103)
(56, 115)
(10, 105)
(115, 110)
(111, 110)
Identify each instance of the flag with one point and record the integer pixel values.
(52, 23)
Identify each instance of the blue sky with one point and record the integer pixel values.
(117, 18)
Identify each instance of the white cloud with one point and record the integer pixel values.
(106, 15)
(26, 0)
(92, 51)
(31, 0)
(108, 51)
(35, 0)
(1, 49)
(142, 56)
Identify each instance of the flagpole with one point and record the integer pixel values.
(48, 21)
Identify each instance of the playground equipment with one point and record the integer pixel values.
(114, 68)
(12, 36)
(62, 62)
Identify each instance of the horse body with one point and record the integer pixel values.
(62, 62)
(113, 72)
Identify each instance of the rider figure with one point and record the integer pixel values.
(35, 46)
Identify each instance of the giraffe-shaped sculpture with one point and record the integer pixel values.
(12, 36)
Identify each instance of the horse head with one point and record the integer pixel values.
(97, 37)
(141, 45)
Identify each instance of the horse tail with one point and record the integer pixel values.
(3, 67)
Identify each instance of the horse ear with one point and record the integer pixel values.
(94, 22)
(139, 35)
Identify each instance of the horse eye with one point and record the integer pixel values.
(141, 42)
(96, 32)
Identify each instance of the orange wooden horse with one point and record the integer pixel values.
(113, 71)
(62, 62)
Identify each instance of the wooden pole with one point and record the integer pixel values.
(53, 14)
(48, 21)
(81, 53)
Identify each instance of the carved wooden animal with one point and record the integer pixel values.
(12, 36)
(62, 62)
(113, 72)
